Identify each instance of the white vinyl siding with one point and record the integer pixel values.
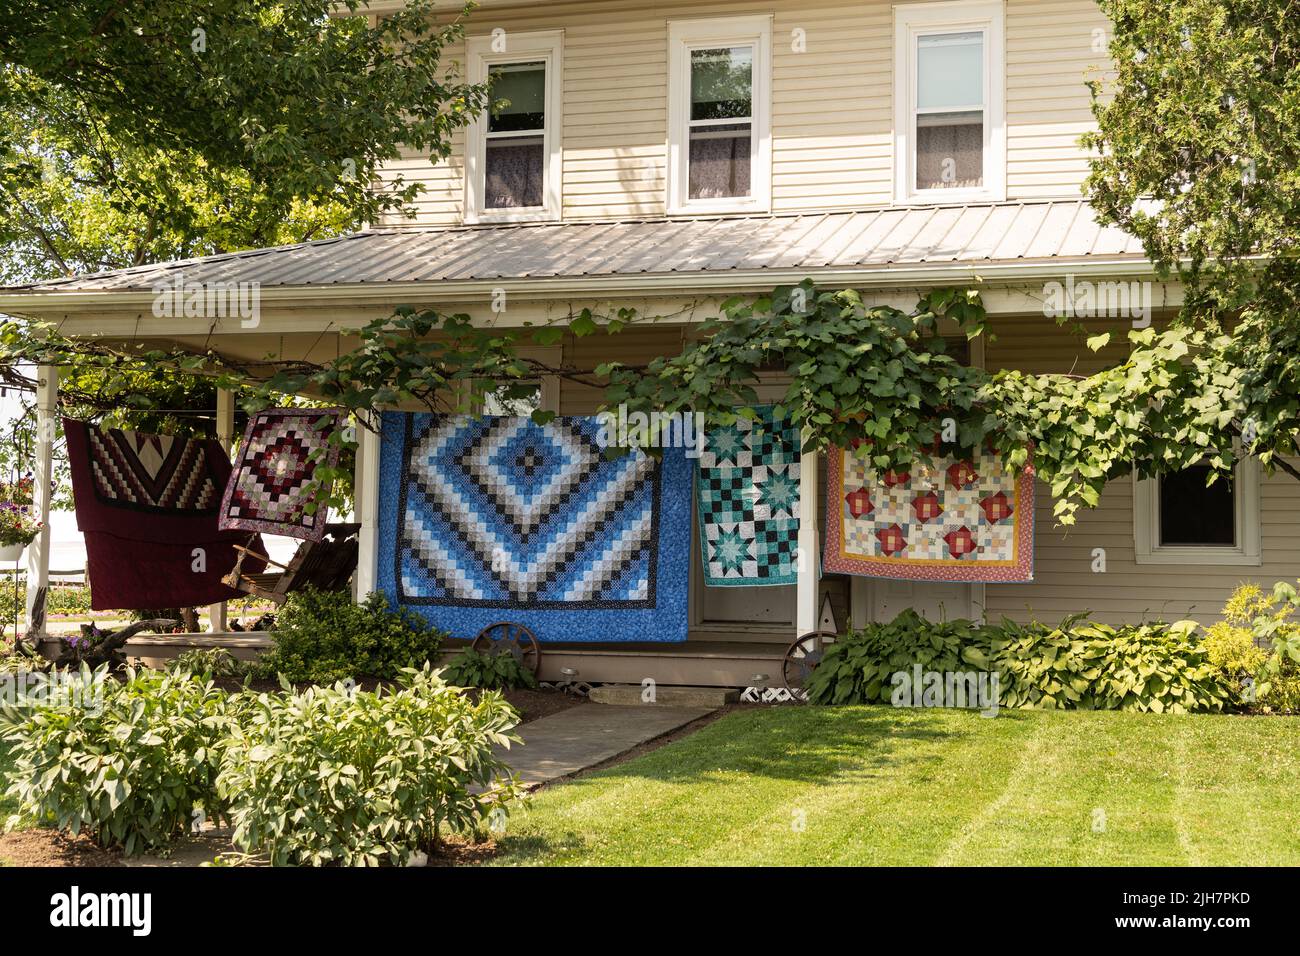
(831, 107)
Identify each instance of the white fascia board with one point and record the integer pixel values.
(983, 274)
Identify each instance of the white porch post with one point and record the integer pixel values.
(366, 498)
(806, 611)
(38, 552)
(226, 435)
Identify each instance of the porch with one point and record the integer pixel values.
(313, 297)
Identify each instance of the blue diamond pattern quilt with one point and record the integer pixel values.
(747, 491)
(499, 518)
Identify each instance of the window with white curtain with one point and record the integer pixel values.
(950, 129)
(719, 106)
(513, 159)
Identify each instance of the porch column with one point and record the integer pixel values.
(806, 611)
(366, 503)
(226, 435)
(38, 552)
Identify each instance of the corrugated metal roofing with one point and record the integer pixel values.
(873, 240)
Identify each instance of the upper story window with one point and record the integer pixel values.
(1179, 519)
(513, 157)
(719, 138)
(949, 107)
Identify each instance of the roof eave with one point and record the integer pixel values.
(644, 284)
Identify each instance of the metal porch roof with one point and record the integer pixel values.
(872, 241)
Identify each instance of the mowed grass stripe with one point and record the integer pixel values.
(864, 785)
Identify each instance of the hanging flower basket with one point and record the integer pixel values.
(18, 528)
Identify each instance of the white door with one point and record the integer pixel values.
(723, 606)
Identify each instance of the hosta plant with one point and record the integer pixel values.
(500, 671)
(1082, 664)
(857, 669)
(337, 776)
(1076, 664)
(134, 763)
(215, 662)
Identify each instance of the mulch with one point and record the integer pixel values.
(45, 847)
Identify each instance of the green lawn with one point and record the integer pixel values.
(875, 785)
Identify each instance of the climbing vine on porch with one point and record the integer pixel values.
(871, 376)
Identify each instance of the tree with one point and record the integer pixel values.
(135, 131)
(1198, 155)
(139, 131)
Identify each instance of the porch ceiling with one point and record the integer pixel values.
(887, 244)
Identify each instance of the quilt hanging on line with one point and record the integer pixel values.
(270, 487)
(147, 507)
(747, 495)
(956, 520)
(499, 518)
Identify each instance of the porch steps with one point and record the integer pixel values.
(633, 695)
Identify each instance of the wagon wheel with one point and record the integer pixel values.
(505, 637)
(803, 656)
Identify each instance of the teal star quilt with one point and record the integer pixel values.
(747, 498)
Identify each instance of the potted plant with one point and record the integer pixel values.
(18, 526)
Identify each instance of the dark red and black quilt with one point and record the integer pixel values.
(147, 506)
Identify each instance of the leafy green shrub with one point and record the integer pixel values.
(1090, 666)
(132, 771)
(68, 599)
(1270, 619)
(1078, 664)
(1279, 689)
(858, 667)
(1233, 652)
(490, 671)
(323, 637)
(359, 778)
(214, 662)
(11, 662)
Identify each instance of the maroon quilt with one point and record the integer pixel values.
(147, 506)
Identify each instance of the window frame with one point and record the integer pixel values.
(683, 37)
(1246, 525)
(543, 45)
(548, 386)
(912, 21)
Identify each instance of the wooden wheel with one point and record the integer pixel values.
(506, 637)
(803, 656)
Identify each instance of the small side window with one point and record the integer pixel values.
(719, 107)
(949, 109)
(515, 151)
(1179, 519)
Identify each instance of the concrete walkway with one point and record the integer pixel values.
(583, 736)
